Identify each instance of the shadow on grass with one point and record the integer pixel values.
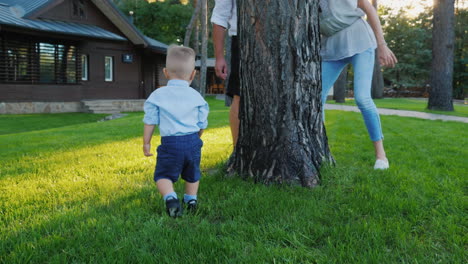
(129, 227)
(11, 124)
(357, 223)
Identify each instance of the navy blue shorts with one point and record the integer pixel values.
(179, 155)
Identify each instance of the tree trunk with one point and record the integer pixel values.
(339, 88)
(193, 21)
(196, 37)
(204, 51)
(443, 43)
(377, 79)
(282, 135)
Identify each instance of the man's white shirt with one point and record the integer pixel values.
(225, 15)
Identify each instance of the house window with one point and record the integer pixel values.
(28, 61)
(109, 68)
(78, 8)
(57, 63)
(84, 67)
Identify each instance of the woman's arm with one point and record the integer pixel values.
(386, 56)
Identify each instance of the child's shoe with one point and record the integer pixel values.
(381, 164)
(173, 207)
(192, 206)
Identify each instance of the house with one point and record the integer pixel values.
(57, 54)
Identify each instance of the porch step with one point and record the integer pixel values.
(100, 106)
(112, 106)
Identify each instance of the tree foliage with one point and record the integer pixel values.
(460, 82)
(410, 39)
(165, 21)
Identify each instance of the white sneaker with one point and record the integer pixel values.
(381, 164)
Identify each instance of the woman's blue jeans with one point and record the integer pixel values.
(363, 64)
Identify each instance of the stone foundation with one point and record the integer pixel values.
(39, 107)
(67, 107)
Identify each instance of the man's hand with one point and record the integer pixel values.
(221, 68)
(147, 150)
(386, 56)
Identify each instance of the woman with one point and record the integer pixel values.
(348, 38)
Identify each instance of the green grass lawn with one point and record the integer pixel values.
(410, 104)
(83, 192)
(11, 124)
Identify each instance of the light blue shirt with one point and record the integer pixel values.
(177, 108)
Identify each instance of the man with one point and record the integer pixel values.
(225, 18)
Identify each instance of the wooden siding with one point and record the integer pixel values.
(127, 83)
(134, 80)
(93, 16)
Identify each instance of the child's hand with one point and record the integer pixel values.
(147, 150)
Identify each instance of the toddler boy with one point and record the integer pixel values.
(181, 114)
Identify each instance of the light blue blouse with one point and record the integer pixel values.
(351, 40)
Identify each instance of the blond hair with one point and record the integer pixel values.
(180, 61)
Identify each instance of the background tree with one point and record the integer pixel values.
(204, 46)
(165, 21)
(377, 78)
(443, 44)
(410, 39)
(282, 136)
(460, 78)
(192, 24)
(340, 86)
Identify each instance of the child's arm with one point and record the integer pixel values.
(147, 134)
(150, 119)
(203, 118)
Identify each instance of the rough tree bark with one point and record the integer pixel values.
(204, 48)
(443, 43)
(192, 23)
(282, 135)
(377, 79)
(339, 88)
(196, 38)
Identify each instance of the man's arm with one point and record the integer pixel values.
(147, 135)
(222, 12)
(221, 68)
(386, 56)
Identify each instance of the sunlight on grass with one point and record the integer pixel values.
(85, 193)
(69, 176)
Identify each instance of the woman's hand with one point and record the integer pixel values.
(386, 56)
